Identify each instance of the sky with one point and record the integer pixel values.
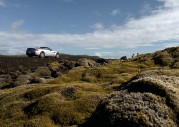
(106, 28)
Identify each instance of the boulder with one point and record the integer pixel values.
(86, 63)
(168, 57)
(22, 80)
(69, 64)
(102, 61)
(42, 72)
(148, 101)
(175, 65)
(123, 58)
(5, 80)
(37, 80)
(175, 53)
(61, 70)
(53, 66)
(163, 58)
(15, 74)
(57, 69)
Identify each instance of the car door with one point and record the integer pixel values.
(47, 51)
(52, 53)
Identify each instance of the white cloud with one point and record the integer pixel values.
(115, 12)
(170, 3)
(5, 3)
(2, 3)
(146, 9)
(171, 45)
(104, 54)
(151, 30)
(97, 26)
(15, 25)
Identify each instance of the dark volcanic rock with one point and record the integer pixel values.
(69, 64)
(123, 58)
(102, 61)
(149, 101)
(57, 69)
(58, 72)
(37, 80)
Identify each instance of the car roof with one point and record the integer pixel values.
(43, 47)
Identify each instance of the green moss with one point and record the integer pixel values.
(41, 72)
(49, 104)
(71, 98)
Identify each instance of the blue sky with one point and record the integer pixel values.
(107, 28)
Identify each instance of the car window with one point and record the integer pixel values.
(46, 48)
(49, 49)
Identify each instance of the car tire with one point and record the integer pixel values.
(57, 55)
(42, 55)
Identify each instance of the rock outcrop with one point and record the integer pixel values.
(123, 58)
(168, 57)
(40, 74)
(86, 62)
(145, 101)
(102, 61)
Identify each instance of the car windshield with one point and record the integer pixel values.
(46, 48)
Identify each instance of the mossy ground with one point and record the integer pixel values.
(44, 104)
(70, 99)
(116, 72)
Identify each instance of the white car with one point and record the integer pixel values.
(42, 52)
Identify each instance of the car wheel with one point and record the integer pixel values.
(57, 55)
(42, 55)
